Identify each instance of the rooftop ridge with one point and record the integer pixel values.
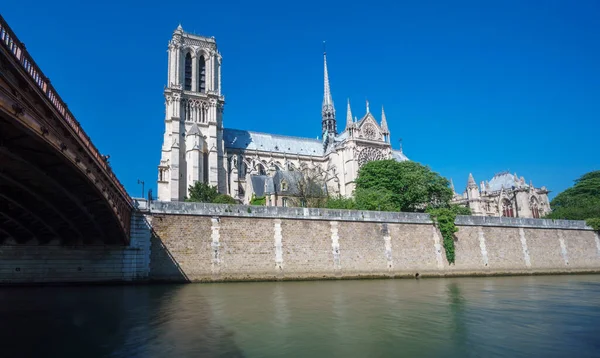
(274, 135)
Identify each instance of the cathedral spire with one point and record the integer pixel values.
(349, 122)
(471, 183)
(328, 111)
(452, 186)
(384, 125)
(367, 106)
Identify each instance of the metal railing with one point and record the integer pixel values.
(10, 41)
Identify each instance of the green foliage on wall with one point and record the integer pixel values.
(224, 199)
(258, 200)
(594, 223)
(580, 202)
(444, 219)
(340, 202)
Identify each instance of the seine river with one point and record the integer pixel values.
(550, 316)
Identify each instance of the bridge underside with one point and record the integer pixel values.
(44, 198)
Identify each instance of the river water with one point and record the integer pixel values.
(549, 316)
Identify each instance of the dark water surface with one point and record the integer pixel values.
(551, 316)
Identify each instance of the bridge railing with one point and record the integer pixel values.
(10, 41)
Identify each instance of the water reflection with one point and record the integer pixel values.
(516, 317)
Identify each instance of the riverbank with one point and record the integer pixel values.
(195, 242)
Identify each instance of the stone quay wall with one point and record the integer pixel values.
(53, 263)
(195, 242)
(209, 242)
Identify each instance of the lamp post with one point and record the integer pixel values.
(141, 182)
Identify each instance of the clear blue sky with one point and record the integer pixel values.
(475, 86)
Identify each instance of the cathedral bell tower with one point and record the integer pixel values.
(328, 110)
(193, 139)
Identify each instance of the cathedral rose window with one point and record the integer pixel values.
(369, 154)
(370, 132)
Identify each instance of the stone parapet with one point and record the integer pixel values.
(225, 210)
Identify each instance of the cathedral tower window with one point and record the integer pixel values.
(188, 72)
(201, 74)
(507, 209)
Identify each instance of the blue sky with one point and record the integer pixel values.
(470, 86)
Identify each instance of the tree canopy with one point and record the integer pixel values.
(204, 193)
(400, 186)
(579, 202)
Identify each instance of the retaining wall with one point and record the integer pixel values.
(208, 242)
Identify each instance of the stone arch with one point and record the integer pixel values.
(260, 168)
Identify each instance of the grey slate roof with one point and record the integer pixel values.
(262, 184)
(399, 156)
(247, 140)
(506, 181)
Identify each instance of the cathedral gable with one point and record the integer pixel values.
(369, 128)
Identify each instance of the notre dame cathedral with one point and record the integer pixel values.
(245, 164)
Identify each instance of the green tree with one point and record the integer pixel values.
(202, 192)
(580, 202)
(400, 186)
(339, 202)
(224, 199)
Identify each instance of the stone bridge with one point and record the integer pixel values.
(55, 186)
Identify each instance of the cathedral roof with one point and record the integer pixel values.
(399, 156)
(247, 140)
(504, 180)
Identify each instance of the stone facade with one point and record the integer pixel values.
(504, 195)
(229, 243)
(196, 146)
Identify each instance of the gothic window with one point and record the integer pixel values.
(369, 154)
(243, 169)
(533, 205)
(188, 72)
(507, 209)
(284, 202)
(261, 169)
(369, 131)
(284, 185)
(201, 74)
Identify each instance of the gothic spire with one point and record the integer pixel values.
(349, 116)
(328, 111)
(471, 183)
(384, 126)
(452, 186)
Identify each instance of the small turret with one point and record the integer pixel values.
(349, 123)
(384, 126)
(472, 189)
